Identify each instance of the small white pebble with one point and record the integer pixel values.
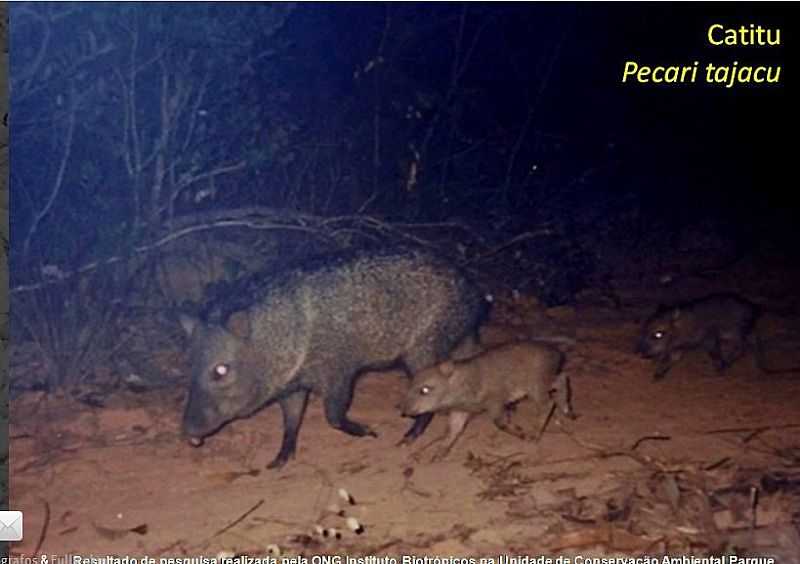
(354, 525)
(319, 530)
(273, 550)
(345, 495)
(225, 554)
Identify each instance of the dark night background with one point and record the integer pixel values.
(337, 123)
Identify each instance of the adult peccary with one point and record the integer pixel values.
(318, 326)
(720, 324)
(490, 382)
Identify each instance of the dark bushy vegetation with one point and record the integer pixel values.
(464, 127)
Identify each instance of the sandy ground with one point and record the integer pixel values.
(647, 468)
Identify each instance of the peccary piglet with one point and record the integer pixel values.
(719, 324)
(315, 328)
(490, 382)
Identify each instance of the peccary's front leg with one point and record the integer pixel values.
(293, 407)
(456, 422)
(421, 423)
(337, 402)
(665, 363)
(411, 366)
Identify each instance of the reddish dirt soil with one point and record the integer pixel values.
(647, 468)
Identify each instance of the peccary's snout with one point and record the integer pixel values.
(195, 429)
(646, 351)
(404, 406)
(191, 434)
(407, 410)
(643, 348)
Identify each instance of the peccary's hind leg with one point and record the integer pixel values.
(502, 420)
(512, 429)
(293, 407)
(665, 363)
(337, 401)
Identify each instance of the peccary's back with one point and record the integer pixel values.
(517, 369)
(362, 308)
(385, 305)
(726, 315)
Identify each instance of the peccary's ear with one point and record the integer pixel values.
(676, 313)
(239, 324)
(447, 367)
(188, 323)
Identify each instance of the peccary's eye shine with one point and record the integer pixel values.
(425, 390)
(658, 335)
(220, 371)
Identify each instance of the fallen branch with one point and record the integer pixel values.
(238, 520)
(752, 432)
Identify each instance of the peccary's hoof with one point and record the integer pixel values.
(571, 415)
(277, 464)
(196, 441)
(356, 429)
(405, 441)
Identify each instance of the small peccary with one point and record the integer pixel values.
(316, 328)
(719, 324)
(490, 382)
